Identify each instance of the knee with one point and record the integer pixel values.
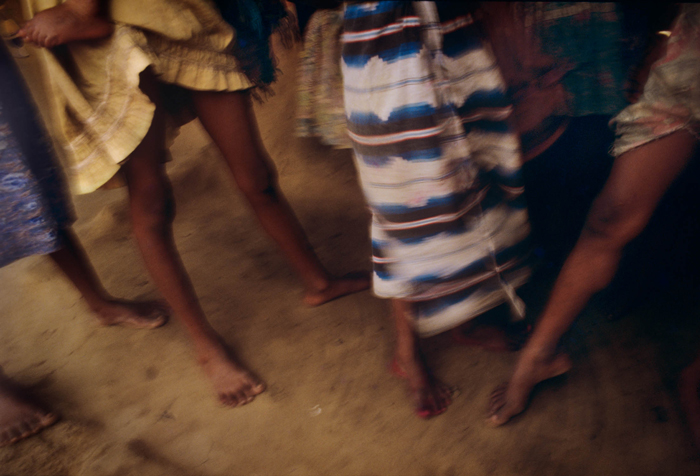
(152, 208)
(615, 221)
(259, 186)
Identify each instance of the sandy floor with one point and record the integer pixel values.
(134, 402)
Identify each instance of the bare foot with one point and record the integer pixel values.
(135, 314)
(689, 390)
(431, 396)
(510, 399)
(337, 287)
(18, 417)
(73, 20)
(233, 383)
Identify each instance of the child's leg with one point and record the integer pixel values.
(18, 417)
(229, 120)
(431, 396)
(73, 262)
(73, 20)
(152, 211)
(637, 183)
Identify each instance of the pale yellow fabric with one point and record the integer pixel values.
(97, 112)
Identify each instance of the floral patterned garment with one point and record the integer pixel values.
(671, 98)
(33, 207)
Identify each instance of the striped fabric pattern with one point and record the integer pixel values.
(438, 163)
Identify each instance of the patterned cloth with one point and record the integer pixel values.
(671, 97)
(591, 37)
(440, 168)
(33, 208)
(320, 105)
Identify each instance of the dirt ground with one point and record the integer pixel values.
(135, 403)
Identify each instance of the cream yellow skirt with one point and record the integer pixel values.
(96, 112)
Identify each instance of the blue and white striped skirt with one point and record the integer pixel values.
(438, 162)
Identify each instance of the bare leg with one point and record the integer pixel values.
(430, 395)
(152, 211)
(229, 120)
(637, 183)
(689, 390)
(73, 262)
(18, 417)
(73, 20)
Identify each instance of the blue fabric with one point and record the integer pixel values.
(254, 22)
(33, 205)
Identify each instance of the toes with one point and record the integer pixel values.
(237, 399)
(157, 319)
(163, 308)
(25, 429)
(15, 434)
(496, 403)
(158, 313)
(258, 388)
(27, 35)
(439, 406)
(42, 40)
(497, 400)
(243, 397)
(26, 30)
(22, 429)
(33, 423)
(443, 395)
(228, 399)
(432, 403)
(447, 396)
(47, 419)
(498, 419)
(501, 389)
(497, 395)
(247, 398)
(500, 411)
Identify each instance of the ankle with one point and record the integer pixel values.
(538, 353)
(99, 303)
(406, 357)
(208, 346)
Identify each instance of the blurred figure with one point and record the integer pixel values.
(320, 105)
(35, 218)
(567, 67)
(656, 139)
(305, 9)
(114, 98)
(427, 115)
